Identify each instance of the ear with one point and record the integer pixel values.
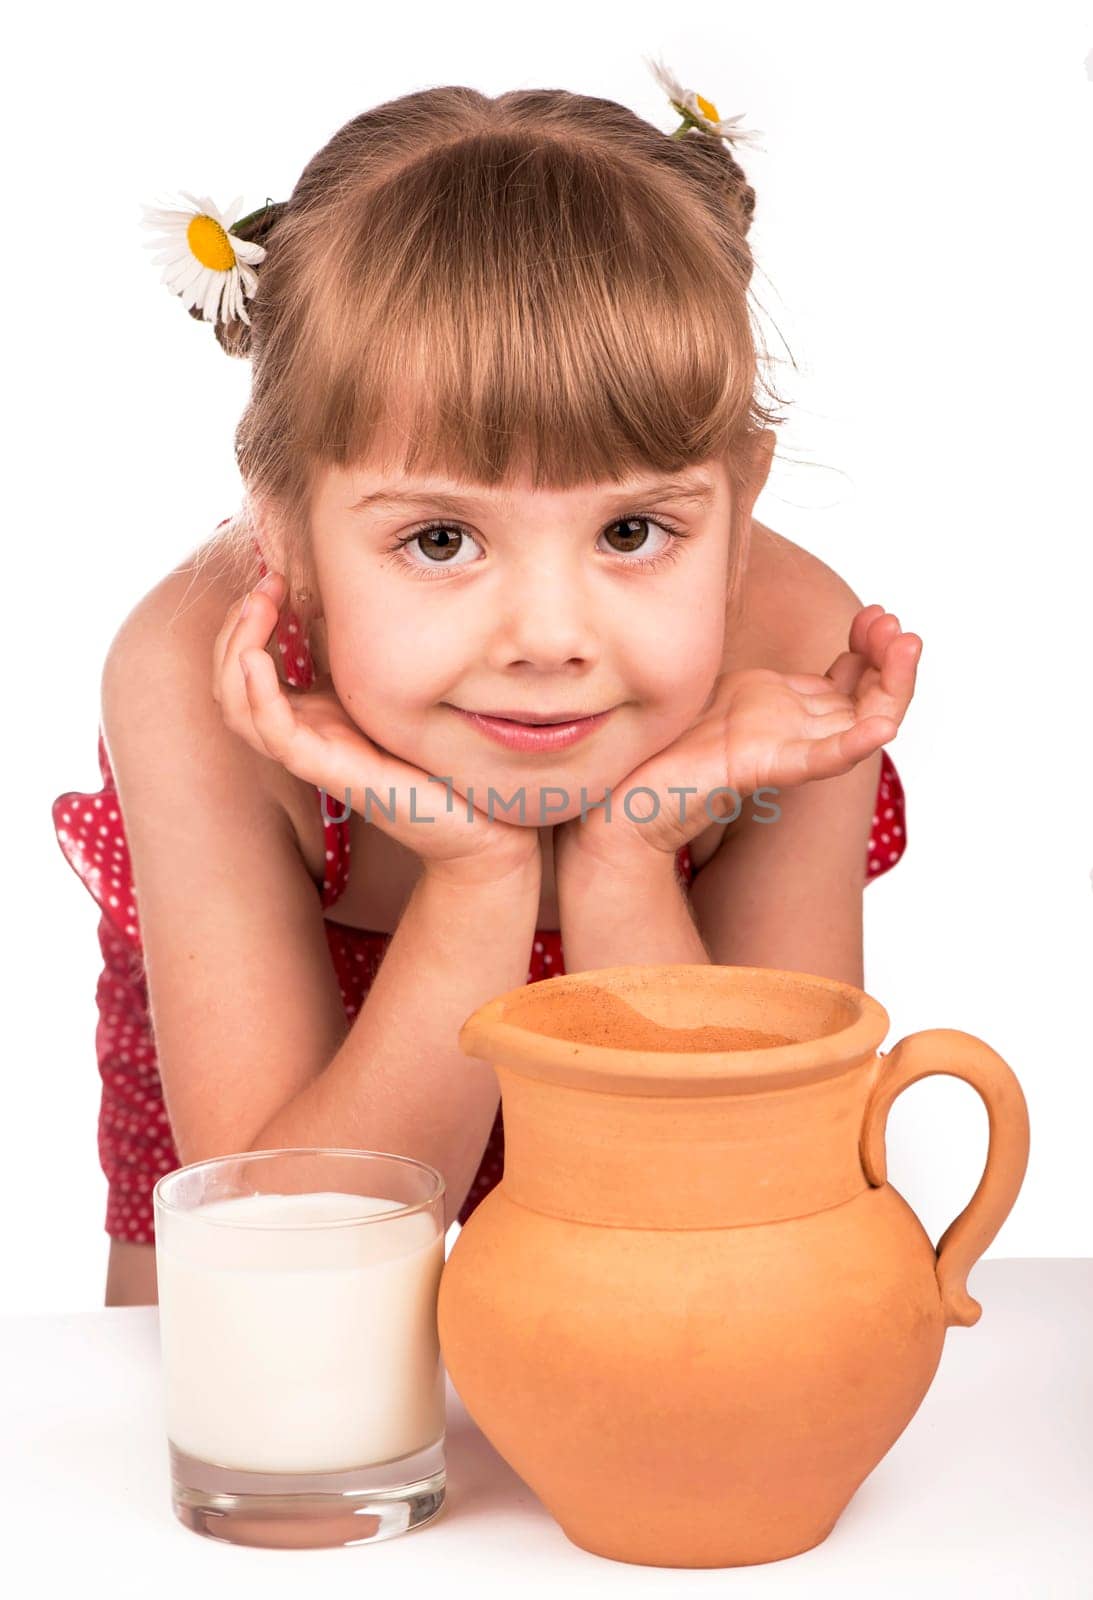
(761, 457)
(752, 469)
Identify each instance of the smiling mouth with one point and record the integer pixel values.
(531, 720)
(515, 733)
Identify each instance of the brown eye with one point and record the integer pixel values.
(439, 544)
(633, 536)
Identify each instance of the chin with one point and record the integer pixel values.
(571, 780)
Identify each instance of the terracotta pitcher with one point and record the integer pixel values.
(693, 1315)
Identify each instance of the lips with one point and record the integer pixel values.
(539, 735)
(537, 719)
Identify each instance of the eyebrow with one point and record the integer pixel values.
(450, 500)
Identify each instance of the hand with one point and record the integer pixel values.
(758, 729)
(312, 735)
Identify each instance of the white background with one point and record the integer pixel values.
(922, 233)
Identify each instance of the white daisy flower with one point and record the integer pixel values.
(204, 262)
(697, 111)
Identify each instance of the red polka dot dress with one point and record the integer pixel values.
(134, 1134)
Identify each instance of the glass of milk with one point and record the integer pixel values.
(303, 1380)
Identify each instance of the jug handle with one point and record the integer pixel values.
(959, 1055)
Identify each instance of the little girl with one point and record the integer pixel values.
(521, 670)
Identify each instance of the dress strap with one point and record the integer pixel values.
(291, 643)
(336, 845)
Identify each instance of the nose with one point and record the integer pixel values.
(546, 618)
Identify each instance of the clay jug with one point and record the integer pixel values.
(693, 1316)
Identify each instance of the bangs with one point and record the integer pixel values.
(540, 288)
(515, 304)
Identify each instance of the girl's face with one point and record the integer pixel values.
(440, 598)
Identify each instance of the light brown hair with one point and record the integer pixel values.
(540, 281)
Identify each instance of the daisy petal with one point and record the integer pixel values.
(185, 275)
(727, 130)
(164, 219)
(176, 252)
(245, 250)
(667, 81)
(212, 295)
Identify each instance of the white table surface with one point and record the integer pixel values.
(988, 1491)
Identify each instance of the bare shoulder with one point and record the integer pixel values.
(792, 604)
(163, 648)
(793, 615)
(184, 610)
(160, 662)
(245, 1003)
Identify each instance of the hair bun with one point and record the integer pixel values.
(714, 164)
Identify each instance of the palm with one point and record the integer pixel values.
(311, 734)
(340, 746)
(762, 728)
(325, 747)
(320, 710)
(786, 730)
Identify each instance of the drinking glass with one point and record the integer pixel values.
(302, 1373)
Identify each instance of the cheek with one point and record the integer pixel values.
(679, 631)
(364, 642)
(676, 665)
(385, 674)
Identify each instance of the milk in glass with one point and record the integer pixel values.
(290, 1348)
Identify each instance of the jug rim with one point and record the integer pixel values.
(489, 1035)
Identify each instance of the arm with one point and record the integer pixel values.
(400, 1082)
(252, 1042)
(788, 893)
(782, 893)
(633, 911)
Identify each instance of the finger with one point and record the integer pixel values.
(255, 629)
(831, 757)
(859, 628)
(279, 732)
(272, 587)
(843, 675)
(815, 683)
(879, 635)
(220, 644)
(828, 703)
(899, 667)
(286, 736)
(869, 634)
(889, 692)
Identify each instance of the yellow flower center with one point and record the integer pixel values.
(707, 108)
(210, 244)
